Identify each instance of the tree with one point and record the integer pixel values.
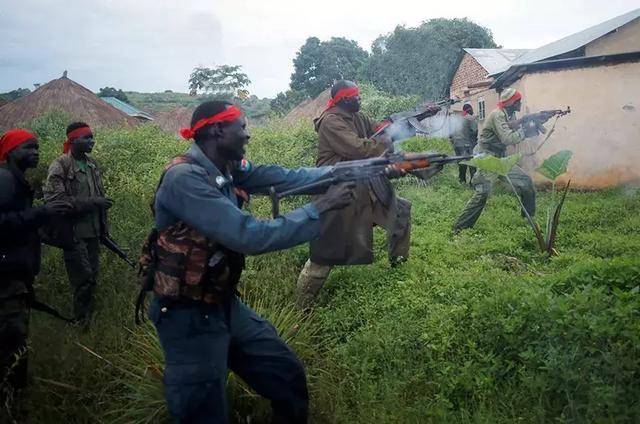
(286, 101)
(14, 94)
(422, 60)
(224, 81)
(112, 92)
(319, 63)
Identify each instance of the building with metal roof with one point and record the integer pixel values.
(494, 60)
(128, 109)
(575, 45)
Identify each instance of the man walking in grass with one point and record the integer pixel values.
(344, 133)
(499, 132)
(75, 177)
(194, 259)
(19, 255)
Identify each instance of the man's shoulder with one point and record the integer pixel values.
(498, 113)
(7, 184)
(6, 176)
(61, 164)
(182, 168)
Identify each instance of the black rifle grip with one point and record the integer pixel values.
(275, 202)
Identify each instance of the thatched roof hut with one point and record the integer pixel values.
(175, 119)
(309, 109)
(65, 95)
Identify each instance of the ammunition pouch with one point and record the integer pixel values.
(180, 264)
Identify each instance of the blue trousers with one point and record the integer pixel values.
(201, 342)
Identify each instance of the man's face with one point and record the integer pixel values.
(351, 104)
(517, 106)
(26, 155)
(233, 139)
(83, 144)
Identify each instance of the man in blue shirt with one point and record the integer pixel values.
(202, 235)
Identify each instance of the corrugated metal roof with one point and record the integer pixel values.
(574, 41)
(494, 60)
(127, 108)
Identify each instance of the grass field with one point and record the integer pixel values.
(478, 327)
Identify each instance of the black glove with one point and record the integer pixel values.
(337, 196)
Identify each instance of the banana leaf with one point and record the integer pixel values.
(500, 166)
(555, 221)
(555, 165)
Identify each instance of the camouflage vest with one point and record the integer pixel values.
(181, 264)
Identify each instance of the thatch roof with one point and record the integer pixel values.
(65, 95)
(309, 109)
(175, 119)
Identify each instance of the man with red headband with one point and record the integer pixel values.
(344, 133)
(19, 254)
(75, 177)
(193, 260)
(499, 132)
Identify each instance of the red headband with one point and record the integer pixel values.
(12, 139)
(77, 133)
(230, 114)
(342, 94)
(511, 100)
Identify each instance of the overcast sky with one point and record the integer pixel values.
(152, 45)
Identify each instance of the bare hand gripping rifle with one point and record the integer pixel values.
(387, 166)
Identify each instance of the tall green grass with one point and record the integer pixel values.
(477, 327)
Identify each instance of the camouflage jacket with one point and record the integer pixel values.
(496, 134)
(467, 134)
(62, 184)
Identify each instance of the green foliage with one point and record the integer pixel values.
(474, 328)
(495, 165)
(319, 63)
(421, 61)
(223, 81)
(112, 92)
(285, 101)
(380, 105)
(256, 109)
(555, 165)
(14, 94)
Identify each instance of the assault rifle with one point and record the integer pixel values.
(403, 125)
(532, 122)
(110, 244)
(371, 169)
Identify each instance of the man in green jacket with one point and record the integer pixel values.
(344, 133)
(75, 177)
(464, 137)
(499, 132)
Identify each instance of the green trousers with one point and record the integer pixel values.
(482, 182)
(82, 263)
(14, 325)
(398, 227)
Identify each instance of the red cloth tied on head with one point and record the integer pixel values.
(230, 114)
(77, 133)
(343, 94)
(511, 100)
(12, 139)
